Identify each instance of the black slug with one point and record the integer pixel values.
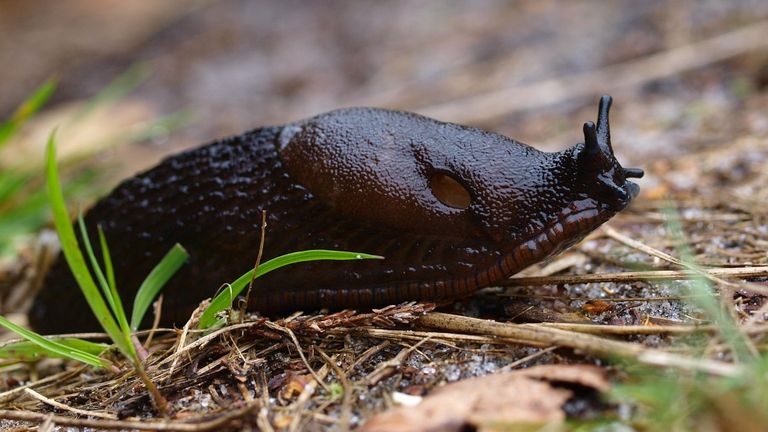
(452, 208)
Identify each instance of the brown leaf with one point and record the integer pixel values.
(595, 307)
(525, 396)
(294, 385)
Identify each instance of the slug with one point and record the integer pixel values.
(451, 208)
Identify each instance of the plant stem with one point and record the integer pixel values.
(244, 305)
(161, 405)
(140, 350)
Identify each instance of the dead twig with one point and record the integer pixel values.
(298, 406)
(192, 425)
(637, 276)
(448, 339)
(388, 368)
(158, 308)
(583, 342)
(527, 358)
(612, 233)
(182, 338)
(262, 421)
(346, 402)
(295, 341)
(66, 407)
(59, 377)
(641, 329)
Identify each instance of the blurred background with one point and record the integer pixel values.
(129, 82)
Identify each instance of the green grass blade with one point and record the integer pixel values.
(25, 350)
(108, 286)
(24, 210)
(703, 292)
(55, 347)
(108, 268)
(95, 263)
(164, 126)
(224, 299)
(10, 183)
(27, 109)
(117, 307)
(74, 255)
(116, 89)
(154, 282)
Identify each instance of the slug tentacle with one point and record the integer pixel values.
(599, 168)
(603, 127)
(597, 138)
(592, 149)
(633, 173)
(450, 207)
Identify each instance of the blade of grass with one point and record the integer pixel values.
(116, 89)
(109, 290)
(56, 347)
(27, 109)
(107, 257)
(18, 221)
(704, 295)
(25, 209)
(26, 350)
(75, 258)
(10, 183)
(151, 286)
(164, 126)
(224, 299)
(95, 263)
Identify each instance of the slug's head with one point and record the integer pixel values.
(599, 173)
(414, 175)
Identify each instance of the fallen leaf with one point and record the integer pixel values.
(523, 397)
(595, 307)
(295, 384)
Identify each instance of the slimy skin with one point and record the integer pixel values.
(451, 208)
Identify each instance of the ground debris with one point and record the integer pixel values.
(528, 397)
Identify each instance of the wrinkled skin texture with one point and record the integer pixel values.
(357, 179)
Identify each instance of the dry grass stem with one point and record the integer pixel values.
(346, 402)
(259, 254)
(157, 307)
(300, 352)
(643, 329)
(66, 407)
(303, 399)
(583, 342)
(193, 425)
(637, 276)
